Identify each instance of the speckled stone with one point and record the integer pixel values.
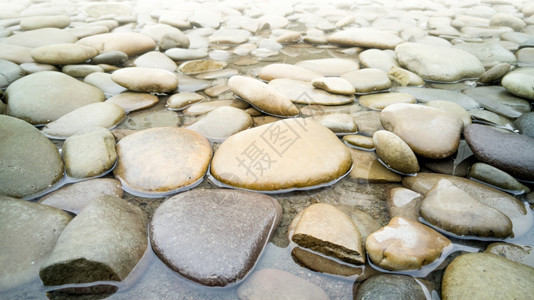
(234, 226)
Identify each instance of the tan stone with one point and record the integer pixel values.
(278, 70)
(404, 244)
(146, 80)
(221, 123)
(133, 101)
(326, 229)
(200, 66)
(334, 85)
(395, 153)
(302, 92)
(368, 80)
(359, 141)
(382, 100)
(131, 43)
(367, 168)
(63, 54)
(404, 203)
(285, 155)
(180, 101)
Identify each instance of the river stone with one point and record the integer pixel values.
(229, 36)
(40, 37)
(194, 67)
(278, 156)
(37, 22)
(404, 203)
(183, 100)
(359, 142)
(279, 70)
(150, 119)
(107, 9)
(302, 92)
(104, 82)
(131, 43)
(498, 100)
(99, 114)
(76, 196)
(452, 209)
(489, 53)
(368, 80)
(340, 124)
(130, 101)
(525, 124)
(328, 230)
(43, 97)
(103, 243)
(29, 233)
(487, 117)
(33, 67)
(335, 85)
(382, 100)
(452, 108)
(480, 276)
(16, 54)
(429, 94)
(221, 123)
(520, 83)
(115, 58)
(390, 286)
(379, 59)
(507, 151)
(178, 54)
(367, 168)
(89, 153)
(368, 122)
(172, 40)
(156, 60)
(205, 107)
(161, 160)
(430, 132)
(29, 162)
(262, 96)
(89, 30)
(520, 254)
(404, 77)
(508, 20)
(437, 63)
(365, 37)
(394, 152)
(495, 73)
(63, 54)
(146, 80)
(235, 226)
(320, 263)
(499, 200)
(405, 244)
(278, 284)
(9, 72)
(500, 179)
(329, 66)
(81, 71)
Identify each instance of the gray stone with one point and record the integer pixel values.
(493, 176)
(43, 97)
(494, 73)
(179, 54)
(438, 63)
(498, 100)
(116, 58)
(100, 114)
(104, 82)
(429, 94)
(162, 160)
(520, 82)
(480, 276)
(450, 208)
(181, 101)
(234, 226)
(89, 153)
(278, 284)
(63, 54)
(76, 196)
(489, 53)
(21, 222)
(173, 40)
(16, 54)
(499, 200)
(146, 80)
(81, 71)
(103, 243)
(390, 286)
(37, 22)
(365, 37)
(29, 162)
(487, 117)
(9, 72)
(520, 254)
(525, 124)
(507, 151)
(156, 60)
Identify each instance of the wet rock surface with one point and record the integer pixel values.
(213, 236)
(389, 286)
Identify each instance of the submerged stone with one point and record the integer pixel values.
(390, 286)
(234, 226)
